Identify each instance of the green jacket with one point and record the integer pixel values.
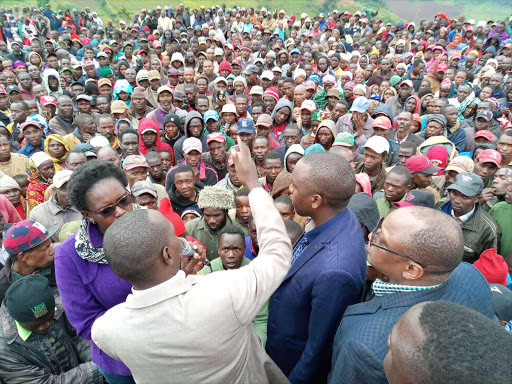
(385, 207)
(198, 229)
(260, 321)
(502, 213)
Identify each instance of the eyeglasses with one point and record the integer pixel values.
(110, 209)
(374, 235)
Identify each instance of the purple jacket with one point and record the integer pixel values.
(88, 290)
(158, 115)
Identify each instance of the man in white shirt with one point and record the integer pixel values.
(192, 328)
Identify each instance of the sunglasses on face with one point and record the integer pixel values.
(110, 209)
(375, 236)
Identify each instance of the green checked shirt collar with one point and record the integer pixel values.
(381, 288)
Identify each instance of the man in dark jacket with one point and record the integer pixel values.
(37, 344)
(30, 250)
(422, 264)
(194, 127)
(327, 272)
(62, 123)
(183, 191)
(480, 230)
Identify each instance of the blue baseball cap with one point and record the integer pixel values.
(295, 50)
(245, 125)
(211, 114)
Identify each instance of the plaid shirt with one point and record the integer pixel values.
(381, 288)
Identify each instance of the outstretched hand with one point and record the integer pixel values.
(245, 167)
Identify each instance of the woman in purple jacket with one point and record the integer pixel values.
(87, 285)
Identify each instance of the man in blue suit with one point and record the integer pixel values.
(418, 252)
(327, 274)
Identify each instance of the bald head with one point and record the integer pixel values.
(138, 256)
(428, 236)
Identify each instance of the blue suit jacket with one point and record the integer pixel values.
(360, 344)
(307, 308)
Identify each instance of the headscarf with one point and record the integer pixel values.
(417, 103)
(466, 103)
(33, 53)
(124, 119)
(106, 71)
(37, 184)
(56, 161)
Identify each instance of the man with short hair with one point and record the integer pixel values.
(215, 203)
(156, 174)
(216, 157)
(505, 148)
(235, 297)
(432, 330)
(184, 191)
(327, 273)
(62, 124)
(36, 341)
(376, 150)
(402, 134)
(74, 159)
(57, 210)
(19, 113)
(165, 101)
(455, 133)
(84, 131)
(423, 263)
(110, 154)
(397, 184)
(129, 143)
(11, 164)
(480, 230)
(273, 165)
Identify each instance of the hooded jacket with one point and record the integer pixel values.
(178, 153)
(53, 73)
(438, 140)
(179, 203)
(151, 124)
(275, 132)
(295, 148)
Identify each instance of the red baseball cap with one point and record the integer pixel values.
(48, 100)
(225, 66)
(407, 83)
(29, 123)
(381, 122)
(215, 137)
(485, 134)
(2, 90)
(489, 156)
(420, 163)
(438, 155)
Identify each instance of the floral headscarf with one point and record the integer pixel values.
(466, 103)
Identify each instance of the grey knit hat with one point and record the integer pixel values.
(213, 197)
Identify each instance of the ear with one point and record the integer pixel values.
(409, 187)
(316, 201)
(413, 271)
(87, 215)
(168, 258)
(22, 256)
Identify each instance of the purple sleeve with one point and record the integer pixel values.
(80, 304)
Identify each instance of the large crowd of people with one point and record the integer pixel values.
(224, 195)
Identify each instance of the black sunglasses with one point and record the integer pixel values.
(110, 209)
(373, 244)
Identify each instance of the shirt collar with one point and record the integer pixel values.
(381, 288)
(315, 232)
(465, 217)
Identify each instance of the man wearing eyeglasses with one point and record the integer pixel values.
(417, 252)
